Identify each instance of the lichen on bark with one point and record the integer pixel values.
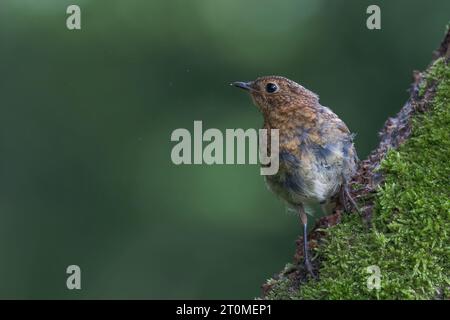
(404, 224)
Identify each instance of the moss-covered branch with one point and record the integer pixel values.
(403, 190)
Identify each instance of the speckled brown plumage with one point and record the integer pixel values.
(316, 151)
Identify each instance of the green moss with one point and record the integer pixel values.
(410, 237)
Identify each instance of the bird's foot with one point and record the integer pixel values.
(345, 195)
(309, 268)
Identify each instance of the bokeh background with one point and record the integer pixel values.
(86, 117)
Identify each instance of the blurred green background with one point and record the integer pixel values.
(86, 117)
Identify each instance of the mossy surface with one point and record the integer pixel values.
(410, 235)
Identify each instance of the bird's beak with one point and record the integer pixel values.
(243, 85)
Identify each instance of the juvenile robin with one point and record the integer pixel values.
(316, 153)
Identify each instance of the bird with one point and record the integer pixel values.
(317, 156)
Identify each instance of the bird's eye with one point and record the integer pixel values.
(271, 87)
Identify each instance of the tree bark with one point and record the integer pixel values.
(365, 184)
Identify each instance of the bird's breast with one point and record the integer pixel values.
(310, 169)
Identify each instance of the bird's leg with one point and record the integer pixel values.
(346, 194)
(304, 219)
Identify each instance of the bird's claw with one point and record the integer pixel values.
(310, 269)
(345, 195)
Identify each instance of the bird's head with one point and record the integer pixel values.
(273, 94)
